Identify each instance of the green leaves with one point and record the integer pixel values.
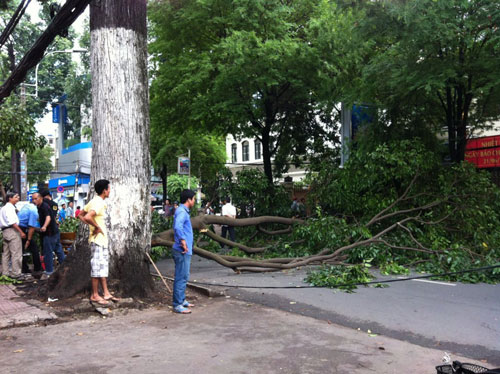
(342, 277)
(17, 128)
(248, 68)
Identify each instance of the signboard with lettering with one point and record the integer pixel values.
(483, 152)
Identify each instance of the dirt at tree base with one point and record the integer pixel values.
(79, 306)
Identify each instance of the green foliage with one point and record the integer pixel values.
(249, 68)
(372, 180)
(431, 64)
(251, 194)
(4, 279)
(208, 152)
(17, 128)
(158, 225)
(39, 160)
(459, 231)
(70, 224)
(393, 268)
(176, 183)
(339, 276)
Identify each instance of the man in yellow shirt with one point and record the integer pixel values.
(94, 214)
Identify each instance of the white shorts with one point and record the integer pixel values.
(99, 261)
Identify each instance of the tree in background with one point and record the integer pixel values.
(39, 161)
(208, 153)
(249, 68)
(432, 64)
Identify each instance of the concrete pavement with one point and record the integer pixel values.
(463, 318)
(221, 336)
(15, 311)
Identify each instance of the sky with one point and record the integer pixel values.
(34, 8)
(45, 125)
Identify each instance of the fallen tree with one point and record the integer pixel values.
(399, 219)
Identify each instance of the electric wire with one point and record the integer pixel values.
(484, 268)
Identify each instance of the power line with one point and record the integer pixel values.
(485, 268)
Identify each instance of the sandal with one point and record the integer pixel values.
(187, 304)
(100, 301)
(182, 310)
(112, 298)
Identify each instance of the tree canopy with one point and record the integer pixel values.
(432, 64)
(249, 68)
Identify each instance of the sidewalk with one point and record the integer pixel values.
(15, 312)
(221, 336)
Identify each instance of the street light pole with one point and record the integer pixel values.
(76, 50)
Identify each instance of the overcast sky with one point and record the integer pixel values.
(34, 8)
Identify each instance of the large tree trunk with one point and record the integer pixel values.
(120, 146)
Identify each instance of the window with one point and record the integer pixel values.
(234, 155)
(258, 150)
(245, 151)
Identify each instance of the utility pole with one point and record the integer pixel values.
(189, 175)
(23, 165)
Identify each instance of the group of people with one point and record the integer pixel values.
(169, 208)
(19, 229)
(66, 212)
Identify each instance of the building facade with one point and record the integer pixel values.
(247, 152)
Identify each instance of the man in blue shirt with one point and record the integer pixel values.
(182, 251)
(28, 223)
(62, 213)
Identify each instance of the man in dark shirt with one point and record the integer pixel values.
(50, 235)
(48, 199)
(55, 211)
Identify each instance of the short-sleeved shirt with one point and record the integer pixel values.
(98, 205)
(8, 216)
(62, 215)
(53, 205)
(228, 210)
(44, 210)
(28, 216)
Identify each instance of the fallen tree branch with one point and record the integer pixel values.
(244, 248)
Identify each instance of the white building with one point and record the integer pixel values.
(247, 152)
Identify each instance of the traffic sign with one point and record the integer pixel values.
(60, 189)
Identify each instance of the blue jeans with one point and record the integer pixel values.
(52, 244)
(182, 266)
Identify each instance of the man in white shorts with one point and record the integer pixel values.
(94, 214)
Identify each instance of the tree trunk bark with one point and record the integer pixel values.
(120, 145)
(266, 155)
(163, 176)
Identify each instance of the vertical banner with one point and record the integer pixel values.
(183, 165)
(24, 177)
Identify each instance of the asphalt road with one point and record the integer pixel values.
(458, 318)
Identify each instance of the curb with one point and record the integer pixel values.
(210, 292)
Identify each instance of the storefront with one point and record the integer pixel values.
(70, 188)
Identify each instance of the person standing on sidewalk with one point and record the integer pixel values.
(28, 222)
(50, 235)
(69, 210)
(62, 214)
(12, 235)
(182, 251)
(94, 214)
